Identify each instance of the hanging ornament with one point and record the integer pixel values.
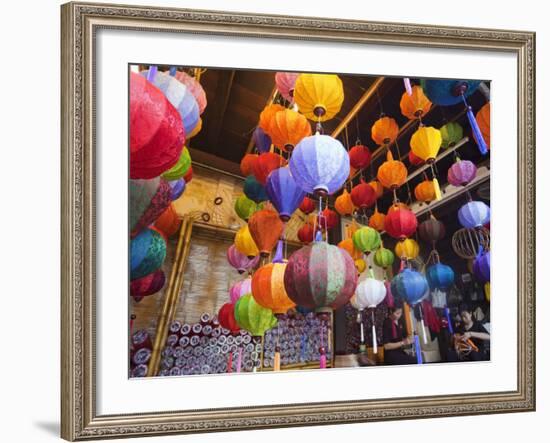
(424, 191)
(328, 219)
(483, 119)
(180, 168)
(319, 96)
(245, 243)
(226, 317)
(240, 261)
(194, 87)
(147, 285)
(288, 128)
(168, 222)
(400, 223)
(252, 317)
(407, 249)
(431, 230)
(285, 82)
(177, 187)
(414, 105)
(265, 228)
(268, 288)
(188, 175)
(307, 206)
(363, 195)
(359, 157)
(451, 134)
(482, 267)
(377, 220)
(466, 242)
(240, 289)
(305, 233)
(261, 140)
(147, 253)
(348, 246)
(366, 239)
(266, 163)
(461, 172)
(392, 173)
(378, 188)
(368, 295)
(440, 276)
(360, 265)
(343, 204)
(284, 192)
(384, 131)
(320, 164)
(254, 190)
(266, 116)
(414, 160)
(148, 200)
(383, 257)
(244, 207)
(425, 144)
(247, 164)
(409, 285)
(474, 214)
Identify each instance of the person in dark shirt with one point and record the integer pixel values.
(470, 332)
(394, 339)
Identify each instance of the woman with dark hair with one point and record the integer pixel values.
(471, 340)
(394, 339)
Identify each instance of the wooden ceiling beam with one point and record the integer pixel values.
(223, 92)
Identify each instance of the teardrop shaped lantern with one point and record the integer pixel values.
(359, 157)
(177, 188)
(266, 116)
(320, 164)
(194, 87)
(148, 285)
(440, 276)
(424, 191)
(383, 257)
(400, 223)
(392, 173)
(482, 267)
(378, 188)
(226, 317)
(366, 239)
(267, 162)
(483, 119)
(305, 233)
(384, 131)
(451, 134)
(348, 246)
(240, 289)
(425, 144)
(414, 160)
(168, 222)
(284, 192)
(240, 261)
(328, 219)
(343, 204)
(363, 195)
(288, 128)
(265, 228)
(319, 96)
(431, 230)
(285, 82)
(416, 104)
(307, 206)
(261, 140)
(360, 265)
(252, 317)
(377, 220)
(244, 207)
(410, 286)
(147, 253)
(148, 200)
(407, 249)
(461, 172)
(254, 190)
(247, 164)
(320, 275)
(180, 168)
(245, 243)
(474, 214)
(268, 288)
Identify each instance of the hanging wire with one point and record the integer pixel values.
(380, 104)
(358, 138)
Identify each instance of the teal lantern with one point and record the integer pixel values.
(440, 276)
(147, 253)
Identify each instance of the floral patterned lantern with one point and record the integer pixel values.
(148, 200)
(147, 253)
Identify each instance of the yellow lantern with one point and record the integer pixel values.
(360, 265)
(245, 243)
(414, 105)
(384, 131)
(487, 290)
(319, 96)
(343, 204)
(407, 248)
(425, 144)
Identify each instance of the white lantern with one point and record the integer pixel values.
(369, 294)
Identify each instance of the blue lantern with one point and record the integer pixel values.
(474, 214)
(261, 140)
(283, 192)
(440, 276)
(320, 164)
(177, 186)
(254, 189)
(482, 267)
(409, 285)
(147, 253)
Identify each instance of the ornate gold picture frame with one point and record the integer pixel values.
(80, 22)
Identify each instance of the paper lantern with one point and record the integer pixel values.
(431, 230)
(244, 207)
(307, 206)
(180, 168)
(285, 82)
(267, 115)
(409, 285)
(451, 134)
(245, 243)
(240, 261)
(267, 162)
(384, 131)
(483, 118)
(328, 219)
(424, 191)
(392, 173)
(448, 92)
(440, 276)
(177, 188)
(319, 96)
(360, 265)
(284, 192)
(189, 175)
(378, 188)
(343, 204)
(400, 223)
(147, 253)
(240, 289)
(157, 134)
(377, 220)
(148, 200)
(369, 293)
(366, 239)
(383, 257)
(407, 248)
(363, 195)
(254, 190)
(288, 128)
(416, 104)
(461, 172)
(247, 164)
(414, 160)
(252, 317)
(359, 157)
(305, 233)
(268, 288)
(320, 164)
(320, 275)
(226, 317)
(265, 228)
(194, 87)
(348, 246)
(261, 140)
(168, 222)
(474, 214)
(425, 142)
(482, 267)
(147, 285)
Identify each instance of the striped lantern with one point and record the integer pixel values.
(366, 239)
(239, 289)
(268, 288)
(284, 192)
(148, 200)
(474, 214)
(253, 317)
(461, 172)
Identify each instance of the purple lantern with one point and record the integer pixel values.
(461, 173)
(178, 186)
(482, 267)
(284, 192)
(262, 141)
(240, 261)
(240, 289)
(474, 214)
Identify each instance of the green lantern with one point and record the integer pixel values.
(180, 168)
(366, 239)
(252, 317)
(244, 207)
(451, 134)
(383, 258)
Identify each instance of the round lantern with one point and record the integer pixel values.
(363, 195)
(320, 275)
(431, 230)
(348, 246)
(425, 143)
(261, 140)
(226, 317)
(247, 164)
(319, 96)
(440, 276)
(392, 173)
(245, 243)
(197, 129)
(474, 214)
(147, 285)
(147, 253)
(240, 289)
(288, 128)
(377, 220)
(285, 82)
(409, 285)
(407, 248)
(240, 261)
(343, 204)
(254, 190)
(378, 188)
(265, 228)
(369, 293)
(320, 164)
(414, 160)
(466, 242)
(284, 192)
(267, 162)
(383, 258)
(307, 206)
(359, 157)
(305, 233)
(400, 223)
(366, 239)
(461, 172)
(188, 175)
(194, 87)
(177, 188)
(360, 265)
(451, 134)
(483, 118)
(252, 317)
(448, 92)
(148, 200)
(482, 267)
(416, 104)
(267, 115)
(168, 222)
(180, 168)
(384, 131)
(328, 219)
(244, 207)
(157, 134)
(424, 191)
(268, 288)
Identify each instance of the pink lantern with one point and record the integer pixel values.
(195, 89)
(285, 84)
(240, 261)
(239, 289)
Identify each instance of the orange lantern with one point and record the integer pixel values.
(267, 162)
(384, 131)
(392, 173)
(425, 191)
(376, 221)
(287, 128)
(268, 288)
(343, 203)
(483, 118)
(247, 164)
(266, 116)
(348, 246)
(265, 228)
(378, 188)
(168, 222)
(414, 105)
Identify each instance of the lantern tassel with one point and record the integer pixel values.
(323, 361)
(374, 341)
(417, 349)
(239, 359)
(279, 253)
(152, 73)
(476, 131)
(449, 323)
(408, 324)
(423, 326)
(277, 360)
(437, 189)
(408, 87)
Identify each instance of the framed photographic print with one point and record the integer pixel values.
(282, 221)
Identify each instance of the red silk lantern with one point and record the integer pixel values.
(268, 288)
(359, 157)
(307, 206)
(226, 317)
(266, 163)
(247, 164)
(378, 188)
(343, 204)
(377, 220)
(157, 134)
(328, 220)
(305, 233)
(168, 222)
(384, 130)
(363, 195)
(400, 223)
(265, 227)
(414, 159)
(392, 173)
